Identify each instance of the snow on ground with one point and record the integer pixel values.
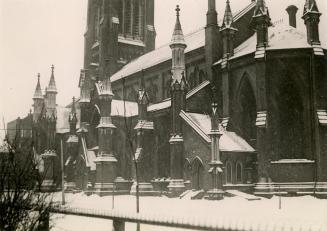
(304, 211)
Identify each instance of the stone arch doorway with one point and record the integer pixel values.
(197, 173)
(291, 120)
(245, 111)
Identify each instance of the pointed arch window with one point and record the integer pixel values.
(229, 172)
(239, 173)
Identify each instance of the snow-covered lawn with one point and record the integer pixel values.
(305, 211)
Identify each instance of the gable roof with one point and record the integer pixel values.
(228, 142)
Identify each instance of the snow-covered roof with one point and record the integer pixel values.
(193, 40)
(228, 142)
(281, 35)
(121, 108)
(117, 109)
(167, 103)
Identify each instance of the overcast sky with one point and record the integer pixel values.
(37, 33)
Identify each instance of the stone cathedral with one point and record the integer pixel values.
(240, 103)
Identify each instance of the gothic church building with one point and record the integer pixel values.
(238, 104)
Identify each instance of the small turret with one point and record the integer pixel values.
(227, 31)
(311, 17)
(260, 23)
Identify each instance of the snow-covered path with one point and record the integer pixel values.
(305, 211)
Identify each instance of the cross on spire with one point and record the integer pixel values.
(177, 10)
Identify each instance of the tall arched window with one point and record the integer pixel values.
(229, 172)
(239, 173)
(245, 112)
(131, 18)
(291, 121)
(197, 173)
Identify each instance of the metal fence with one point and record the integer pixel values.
(196, 223)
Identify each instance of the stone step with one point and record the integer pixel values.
(184, 194)
(198, 195)
(247, 196)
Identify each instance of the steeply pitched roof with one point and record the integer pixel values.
(193, 40)
(228, 17)
(178, 37)
(38, 91)
(228, 142)
(52, 83)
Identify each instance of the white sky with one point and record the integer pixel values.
(37, 33)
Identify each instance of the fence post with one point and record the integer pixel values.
(118, 225)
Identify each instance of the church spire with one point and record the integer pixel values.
(228, 17)
(178, 46)
(51, 92)
(38, 100)
(38, 91)
(227, 31)
(52, 83)
(178, 37)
